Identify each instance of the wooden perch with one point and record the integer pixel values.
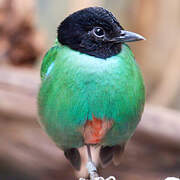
(18, 91)
(31, 151)
(161, 126)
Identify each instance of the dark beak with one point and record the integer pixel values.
(127, 36)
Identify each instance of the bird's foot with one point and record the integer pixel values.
(93, 173)
(92, 170)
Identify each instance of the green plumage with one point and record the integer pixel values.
(76, 86)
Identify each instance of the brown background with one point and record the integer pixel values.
(28, 29)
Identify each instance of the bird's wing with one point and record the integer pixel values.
(48, 60)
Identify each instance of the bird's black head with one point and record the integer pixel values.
(94, 31)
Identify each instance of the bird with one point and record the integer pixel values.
(92, 91)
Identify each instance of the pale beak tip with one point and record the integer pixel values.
(141, 38)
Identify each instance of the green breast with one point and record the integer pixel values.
(78, 86)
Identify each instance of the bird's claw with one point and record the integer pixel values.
(100, 178)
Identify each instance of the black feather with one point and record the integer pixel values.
(74, 157)
(76, 31)
(111, 153)
(106, 155)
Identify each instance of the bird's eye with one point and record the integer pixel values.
(98, 31)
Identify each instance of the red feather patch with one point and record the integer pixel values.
(95, 130)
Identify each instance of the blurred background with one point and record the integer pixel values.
(28, 29)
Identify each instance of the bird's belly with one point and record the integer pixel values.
(95, 130)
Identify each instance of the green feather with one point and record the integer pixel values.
(79, 86)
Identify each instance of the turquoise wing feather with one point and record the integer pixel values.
(79, 86)
(48, 61)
